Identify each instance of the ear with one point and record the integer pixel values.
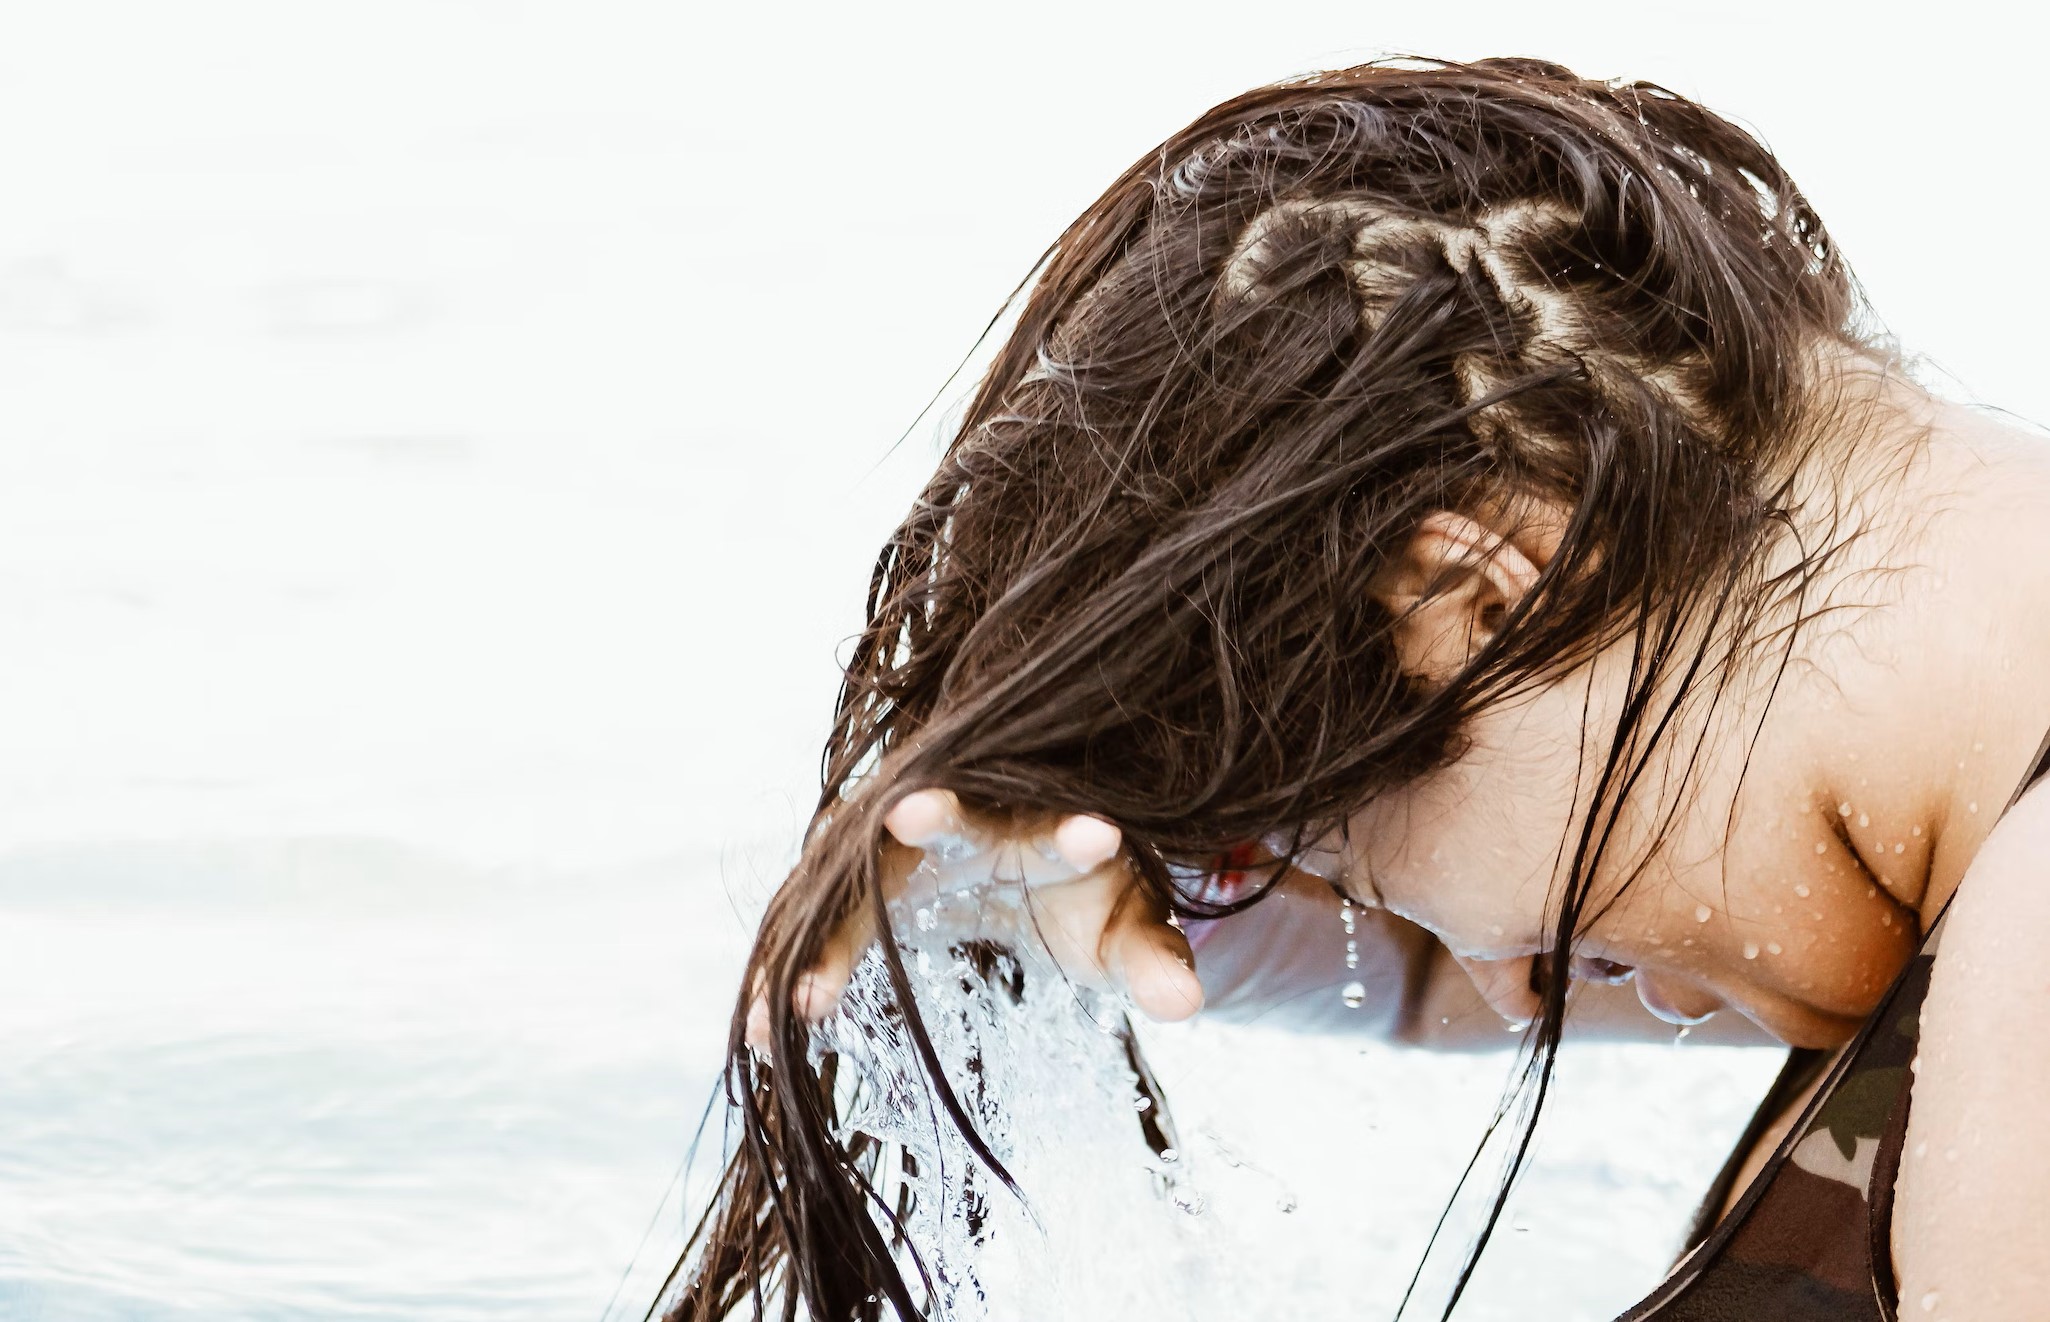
(1451, 587)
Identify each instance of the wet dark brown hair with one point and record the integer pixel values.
(1136, 586)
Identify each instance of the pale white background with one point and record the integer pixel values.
(441, 447)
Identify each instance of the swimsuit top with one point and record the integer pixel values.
(1810, 1241)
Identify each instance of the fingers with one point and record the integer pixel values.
(1150, 960)
(1087, 843)
(818, 989)
(926, 817)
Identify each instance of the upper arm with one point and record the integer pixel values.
(1972, 1208)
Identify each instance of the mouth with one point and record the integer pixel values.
(1587, 968)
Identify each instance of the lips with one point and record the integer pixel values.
(1587, 968)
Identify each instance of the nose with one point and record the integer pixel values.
(1505, 984)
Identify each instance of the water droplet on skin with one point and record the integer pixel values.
(1170, 1155)
(1950, 1154)
(1802, 890)
(1688, 942)
(1843, 809)
(1751, 950)
(1922, 1148)
(1779, 908)
(1886, 920)
(1978, 747)
(1821, 848)
(1702, 913)
(1900, 848)
(1495, 930)
(1916, 831)
(1773, 948)
(1353, 994)
(1973, 806)
(1864, 819)
(1142, 1103)
(1930, 1300)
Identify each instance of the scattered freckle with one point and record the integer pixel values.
(1864, 819)
(1751, 950)
(1900, 849)
(1973, 806)
(1772, 948)
(1843, 809)
(1802, 890)
(1701, 913)
(1821, 848)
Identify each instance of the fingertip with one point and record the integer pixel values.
(1086, 842)
(1159, 976)
(922, 816)
(817, 996)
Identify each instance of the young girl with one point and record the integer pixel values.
(1469, 490)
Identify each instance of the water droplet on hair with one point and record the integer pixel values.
(1802, 890)
(1751, 950)
(1170, 1155)
(924, 964)
(1702, 913)
(1285, 1204)
(1190, 1201)
(926, 922)
(1142, 1103)
(1354, 995)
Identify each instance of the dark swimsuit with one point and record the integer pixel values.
(1809, 1242)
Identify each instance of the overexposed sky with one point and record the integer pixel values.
(470, 422)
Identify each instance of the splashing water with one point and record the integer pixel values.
(1050, 1075)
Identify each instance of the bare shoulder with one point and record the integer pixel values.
(1971, 1226)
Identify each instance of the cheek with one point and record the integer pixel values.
(1461, 862)
(1472, 849)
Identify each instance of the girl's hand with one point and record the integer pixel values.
(1098, 923)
